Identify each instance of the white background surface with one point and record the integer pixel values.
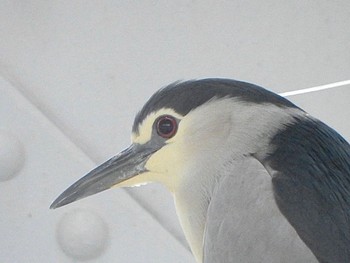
(74, 73)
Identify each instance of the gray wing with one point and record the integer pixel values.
(244, 223)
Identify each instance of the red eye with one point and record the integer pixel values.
(166, 126)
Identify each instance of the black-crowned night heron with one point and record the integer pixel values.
(254, 177)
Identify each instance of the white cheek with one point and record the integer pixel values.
(205, 139)
(165, 165)
(226, 129)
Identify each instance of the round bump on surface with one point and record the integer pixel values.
(82, 235)
(12, 156)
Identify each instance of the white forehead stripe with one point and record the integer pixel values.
(145, 127)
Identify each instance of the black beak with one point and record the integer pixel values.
(125, 165)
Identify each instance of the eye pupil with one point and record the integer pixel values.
(166, 126)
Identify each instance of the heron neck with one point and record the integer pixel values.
(192, 199)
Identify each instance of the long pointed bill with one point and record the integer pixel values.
(125, 165)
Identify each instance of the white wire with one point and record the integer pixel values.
(318, 88)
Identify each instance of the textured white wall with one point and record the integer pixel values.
(74, 73)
